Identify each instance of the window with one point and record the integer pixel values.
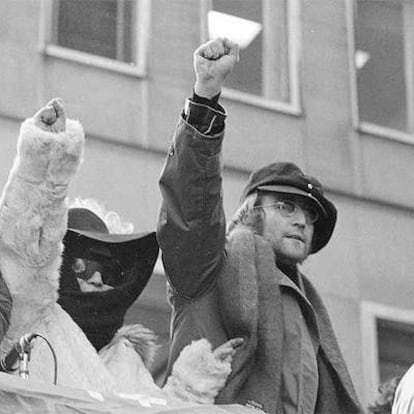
(108, 33)
(383, 66)
(388, 344)
(100, 27)
(268, 73)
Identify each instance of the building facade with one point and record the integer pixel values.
(328, 85)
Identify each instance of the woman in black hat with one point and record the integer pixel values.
(102, 273)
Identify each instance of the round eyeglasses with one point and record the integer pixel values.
(289, 208)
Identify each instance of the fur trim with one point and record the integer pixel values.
(197, 375)
(50, 156)
(141, 339)
(32, 209)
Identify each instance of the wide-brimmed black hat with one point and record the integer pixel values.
(288, 178)
(85, 228)
(101, 313)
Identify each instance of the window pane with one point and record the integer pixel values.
(264, 66)
(278, 79)
(247, 74)
(126, 31)
(395, 348)
(380, 65)
(99, 27)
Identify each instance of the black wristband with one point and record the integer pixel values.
(212, 102)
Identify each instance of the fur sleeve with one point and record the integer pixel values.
(32, 206)
(197, 376)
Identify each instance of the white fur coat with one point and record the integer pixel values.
(33, 218)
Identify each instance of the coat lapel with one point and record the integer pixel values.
(328, 339)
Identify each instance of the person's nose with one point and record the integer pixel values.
(96, 279)
(300, 218)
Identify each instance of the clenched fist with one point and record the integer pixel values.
(213, 61)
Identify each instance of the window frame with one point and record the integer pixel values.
(294, 106)
(141, 32)
(370, 313)
(369, 127)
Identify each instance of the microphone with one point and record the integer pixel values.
(21, 347)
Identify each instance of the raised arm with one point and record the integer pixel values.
(32, 206)
(191, 229)
(213, 61)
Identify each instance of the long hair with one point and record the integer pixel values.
(248, 214)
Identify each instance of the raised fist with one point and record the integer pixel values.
(52, 117)
(213, 61)
(50, 146)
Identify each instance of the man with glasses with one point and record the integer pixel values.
(246, 282)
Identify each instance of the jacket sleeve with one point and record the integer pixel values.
(5, 308)
(191, 227)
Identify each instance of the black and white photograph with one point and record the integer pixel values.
(207, 206)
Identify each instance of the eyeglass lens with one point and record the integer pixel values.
(290, 208)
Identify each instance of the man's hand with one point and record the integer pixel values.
(226, 351)
(213, 61)
(52, 117)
